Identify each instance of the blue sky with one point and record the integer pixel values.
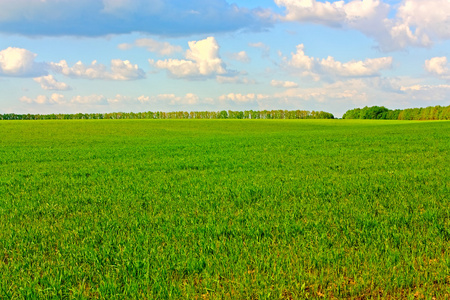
(65, 56)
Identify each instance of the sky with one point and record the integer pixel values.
(66, 56)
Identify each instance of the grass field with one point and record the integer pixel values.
(239, 209)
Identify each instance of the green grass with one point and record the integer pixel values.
(256, 209)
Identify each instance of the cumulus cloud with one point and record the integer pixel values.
(414, 23)
(233, 80)
(120, 99)
(427, 20)
(334, 97)
(20, 63)
(368, 67)
(428, 93)
(57, 103)
(240, 98)
(283, 84)
(103, 17)
(161, 48)
(42, 99)
(313, 11)
(120, 70)
(329, 97)
(143, 99)
(125, 46)
(314, 67)
(438, 66)
(90, 99)
(171, 99)
(341, 95)
(202, 61)
(427, 87)
(189, 98)
(50, 83)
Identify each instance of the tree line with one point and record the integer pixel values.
(383, 113)
(224, 114)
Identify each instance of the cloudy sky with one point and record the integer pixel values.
(65, 56)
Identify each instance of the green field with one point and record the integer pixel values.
(234, 209)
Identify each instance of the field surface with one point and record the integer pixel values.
(214, 209)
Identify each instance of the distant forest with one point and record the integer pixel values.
(373, 112)
(224, 114)
(383, 113)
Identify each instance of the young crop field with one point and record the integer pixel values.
(224, 209)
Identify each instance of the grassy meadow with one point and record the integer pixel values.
(224, 209)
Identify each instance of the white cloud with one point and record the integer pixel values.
(50, 83)
(416, 22)
(234, 80)
(57, 98)
(125, 46)
(313, 11)
(143, 99)
(438, 66)
(161, 48)
(172, 99)
(19, 62)
(239, 97)
(241, 56)
(120, 70)
(284, 84)
(428, 93)
(339, 96)
(314, 67)
(202, 60)
(189, 98)
(42, 99)
(91, 99)
(301, 60)
(419, 87)
(430, 19)
(99, 103)
(336, 97)
(120, 99)
(336, 14)
(368, 67)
